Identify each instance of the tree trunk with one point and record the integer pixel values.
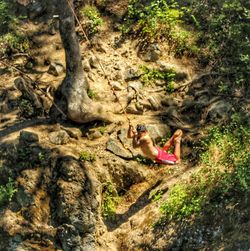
(80, 108)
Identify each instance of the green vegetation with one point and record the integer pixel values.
(159, 20)
(149, 76)
(11, 38)
(91, 94)
(157, 195)
(6, 192)
(94, 21)
(223, 28)
(110, 200)
(87, 156)
(225, 173)
(102, 129)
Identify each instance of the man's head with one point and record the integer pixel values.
(141, 128)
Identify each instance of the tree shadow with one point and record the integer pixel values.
(142, 201)
(54, 193)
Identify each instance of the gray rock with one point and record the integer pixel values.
(75, 133)
(117, 86)
(220, 111)
(158, 131)
(180, 74)
(133, 110)
(93, 62)
(152, 53)
(94, 134)
(35, 9)
(28, 137)
(136, 85)
(169, 101)
(59, 137)
(115, 147)
(56, 69)
(86, 65)
(69, 238)
(154, 103)
(130, 74)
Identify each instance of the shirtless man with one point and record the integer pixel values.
(142, 139)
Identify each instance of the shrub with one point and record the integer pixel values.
(93, 17)
(149, 76)
(87, 156)
(158, 20)
(223, 39)
(225, 172)
(11, 38)
(6, 192)
(110, 200)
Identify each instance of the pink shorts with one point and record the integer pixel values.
(165, 158)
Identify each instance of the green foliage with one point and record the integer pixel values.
(91, 94)
(225, 172)
(102, 129)
(158, 20)
(87, 156)
(93, 17)
(6, 192)
(11, 38)
(149, 76)
(156, 196)
(26, 108)
(110, 200)
(224, 35)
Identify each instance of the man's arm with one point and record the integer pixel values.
(136, 142)
(131, 131)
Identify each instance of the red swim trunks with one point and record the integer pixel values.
(165, 158)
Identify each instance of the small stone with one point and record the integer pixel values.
(94, 134)
(86, 65)
(59, 137)
(29, 137)
(154, 103)
(133, 110)
(130, 74)
(115, 147)
(56, 69)
(93, 62)
(116, 86)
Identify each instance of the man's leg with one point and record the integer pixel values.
(177, 148)
(170, 142)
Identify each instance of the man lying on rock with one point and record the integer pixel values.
(142, 139)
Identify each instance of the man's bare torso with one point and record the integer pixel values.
(148, 147)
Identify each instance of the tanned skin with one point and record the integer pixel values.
(143, 140)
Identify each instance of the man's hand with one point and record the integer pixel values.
(131, 132)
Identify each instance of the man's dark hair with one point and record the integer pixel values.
(141, 128)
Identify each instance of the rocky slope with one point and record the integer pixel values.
(59, 200)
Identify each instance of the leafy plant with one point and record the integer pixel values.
(110, 200)
(91, 94)
(87, 156)
(11, 38)
(223, 37)
(158, 20)
(93, 18)
(102, 129)
(6, 192)
(149, 76)
(225, 171)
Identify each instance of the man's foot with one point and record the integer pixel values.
(177, 136)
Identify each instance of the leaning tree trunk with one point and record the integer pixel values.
(80, 108)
